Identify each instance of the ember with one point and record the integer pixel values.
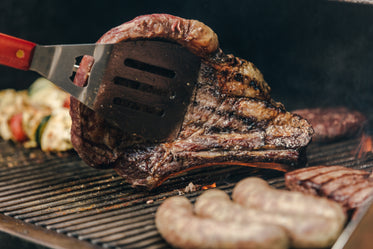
(365, 146)
(209, 186)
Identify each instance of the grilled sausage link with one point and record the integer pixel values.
(180, 227)
(256, 193)
(305, 231)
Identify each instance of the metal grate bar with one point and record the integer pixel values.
(118, 229)
(20, 175)
(107, 218)
(60, 191)
(26, 194)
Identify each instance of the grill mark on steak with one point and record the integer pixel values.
(229, 114)
(359, 197)
(231, 118)
(349, 187)
(307, 173)
(322, 179)
(340, 182)
(221, 121)
(347, 191)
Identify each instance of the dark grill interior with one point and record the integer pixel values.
(58, 201)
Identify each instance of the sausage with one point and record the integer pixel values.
(256, 193)
(180, 227)
(305, 231)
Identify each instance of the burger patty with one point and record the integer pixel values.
(333, 123)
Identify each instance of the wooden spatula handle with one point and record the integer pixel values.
(15, 52)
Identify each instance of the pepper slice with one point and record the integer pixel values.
(15, 124)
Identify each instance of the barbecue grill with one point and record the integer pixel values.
(319, 58)
(57, 201)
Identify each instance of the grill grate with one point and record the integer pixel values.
(58, 201)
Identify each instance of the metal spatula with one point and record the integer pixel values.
(144, 87)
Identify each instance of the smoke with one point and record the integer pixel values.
(326, 60)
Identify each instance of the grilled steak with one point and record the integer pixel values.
(349, 187)
(231, 119)
(333, 123)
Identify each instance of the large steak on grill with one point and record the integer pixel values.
(231, 119)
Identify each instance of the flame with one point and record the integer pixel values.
(209, 186)
(365, 146)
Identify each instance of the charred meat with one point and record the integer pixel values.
(333, 123)
(231, 118)
(349, 187)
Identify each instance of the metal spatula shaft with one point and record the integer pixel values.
(143, 87)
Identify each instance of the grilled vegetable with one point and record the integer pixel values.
(40, 129)
(15, 124)
(44, 93)
(53, 133)
(37, 117)
(11, 103)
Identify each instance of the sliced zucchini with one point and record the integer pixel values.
(44, 93)
(31, 119)
(38, 85)
(40, 129)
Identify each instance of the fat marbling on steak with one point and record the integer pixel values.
(231, 118)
